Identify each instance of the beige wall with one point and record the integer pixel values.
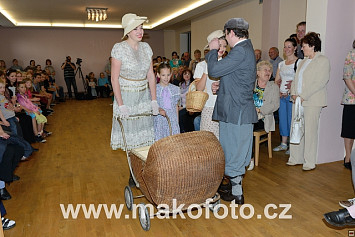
(172, 40)
(291, 13)
(250, 10)
(92, 45)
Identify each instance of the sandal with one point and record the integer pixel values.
(7, 223)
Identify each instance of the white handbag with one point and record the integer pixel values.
(297, 131)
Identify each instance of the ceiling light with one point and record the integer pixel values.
(96, 14)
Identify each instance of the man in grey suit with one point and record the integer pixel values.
(234, 108)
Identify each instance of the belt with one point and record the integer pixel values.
(132, 79)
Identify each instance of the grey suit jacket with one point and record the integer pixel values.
(235, 94)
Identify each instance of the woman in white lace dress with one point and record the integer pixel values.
(131, 72)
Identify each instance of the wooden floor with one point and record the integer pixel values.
(77, 166)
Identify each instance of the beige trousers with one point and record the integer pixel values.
(306, 152)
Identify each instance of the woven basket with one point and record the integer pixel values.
(187, 167)
(195, 100)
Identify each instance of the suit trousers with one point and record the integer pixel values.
(306, 152)
(237, 144)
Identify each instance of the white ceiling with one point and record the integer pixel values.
(74, 11)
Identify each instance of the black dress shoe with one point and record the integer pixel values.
(228, 196)
(15, 177)
(4, 194)
(339, 218)
(225, 186)
(347, 165)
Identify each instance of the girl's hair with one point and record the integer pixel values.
(20, 83)
(9, 71)
(26, 80)
(163, 65)
(48, 60)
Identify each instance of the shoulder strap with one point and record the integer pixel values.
(295, 67)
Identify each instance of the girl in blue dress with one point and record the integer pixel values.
(168, 96)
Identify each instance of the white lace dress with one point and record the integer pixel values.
(139, 131)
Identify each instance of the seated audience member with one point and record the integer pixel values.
(91, 83)
(257, 53)
(50, 68)
(38, 119)
(11, 84)
(266, 100)
(186, 59)
(175, 61)
(10, 156)
(32, 66)
(6, 223)
(7, 112)
(19, 75)
(39, 91)
(103, 86)
(206, 49)
(274, 60)
(175, 76)
(15, 65)
(193, 63)
(59, 90)
(2, 65)
(186, 119)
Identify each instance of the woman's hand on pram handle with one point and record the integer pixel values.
(124, 111)
(155, 107)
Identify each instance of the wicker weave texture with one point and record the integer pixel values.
(137, 167)
(195, 100)
(187, 167)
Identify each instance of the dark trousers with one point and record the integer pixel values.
(2, 209)
(70, 81)
(102, 89)
(10, 159)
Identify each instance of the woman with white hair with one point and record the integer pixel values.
(131, 72)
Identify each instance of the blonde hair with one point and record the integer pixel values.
(263, 63)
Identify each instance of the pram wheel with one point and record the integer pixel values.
(144, 217)
(128, 197)
(215, 207)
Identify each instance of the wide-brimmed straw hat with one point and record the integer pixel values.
(131, 21)
(215, 34)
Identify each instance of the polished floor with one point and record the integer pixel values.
(77, 166)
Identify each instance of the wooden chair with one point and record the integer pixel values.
(257, 134)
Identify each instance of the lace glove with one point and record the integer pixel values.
(155, 107)
(124, 111)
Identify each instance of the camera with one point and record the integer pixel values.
(67, 59)
(78, 61)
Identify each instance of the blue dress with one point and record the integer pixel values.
(168, 98)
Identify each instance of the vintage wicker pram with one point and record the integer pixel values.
(187, 167)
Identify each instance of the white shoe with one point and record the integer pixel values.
(7, 223)
(347, 203)
(251, 165)
(281, 147)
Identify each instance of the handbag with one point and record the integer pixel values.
(297, 131)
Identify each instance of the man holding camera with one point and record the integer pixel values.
(69, 76)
